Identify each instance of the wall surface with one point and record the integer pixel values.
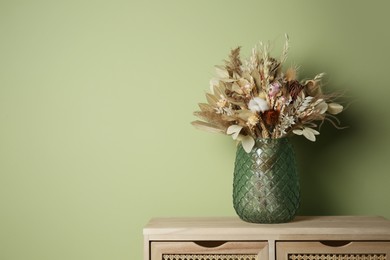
(96, 100)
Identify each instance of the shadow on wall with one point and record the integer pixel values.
(321, 164)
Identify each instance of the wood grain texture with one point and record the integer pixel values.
(302, 228)
(305, 235)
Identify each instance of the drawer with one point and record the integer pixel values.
(333, 250)
(209, 250)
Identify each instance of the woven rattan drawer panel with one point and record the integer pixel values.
(202, 251)
(337, 256)
(333, 251)
(210, 257)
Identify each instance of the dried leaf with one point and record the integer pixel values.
(334, 108)
(298, 131)
(256, 76)
(247, 142)
(207, 127)
(233, 65)
(211, 99)
(244, 114)
(228, 118)
(213, 82)
(227, 80)
(205, 107)
(236, 88)
(234, 131)
(307, 132)
(322, 107)
(217, 91)
(310, 133)
(221, 72)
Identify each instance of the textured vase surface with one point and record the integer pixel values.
(266, 183)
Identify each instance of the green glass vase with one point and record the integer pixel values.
(265, 182)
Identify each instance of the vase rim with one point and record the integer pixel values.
(278, 138)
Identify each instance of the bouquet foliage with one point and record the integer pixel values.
(256, 98)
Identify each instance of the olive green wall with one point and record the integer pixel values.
(96, 99)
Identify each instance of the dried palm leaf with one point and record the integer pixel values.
(233, 65)
(208, 127)
(244, 114)
(205, 107)
(211, 99)
(221, 72)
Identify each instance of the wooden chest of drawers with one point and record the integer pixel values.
(305, 238)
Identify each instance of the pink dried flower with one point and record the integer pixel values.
(274, 88)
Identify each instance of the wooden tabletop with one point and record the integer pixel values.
(302, 227)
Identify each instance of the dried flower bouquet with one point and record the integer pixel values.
(257, 99)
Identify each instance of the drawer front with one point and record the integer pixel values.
(209, 250)
(333, 250)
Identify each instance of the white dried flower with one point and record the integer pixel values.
(258, 105)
